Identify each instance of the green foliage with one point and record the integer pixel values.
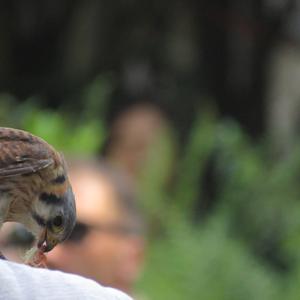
(96, 96)
(191, 166)
(80, 136)
(83, 138)
(204, 263)
(154, 197)
(248, 247)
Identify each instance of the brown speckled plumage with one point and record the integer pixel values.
(29, 168)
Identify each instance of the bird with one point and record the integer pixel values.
(34, 188)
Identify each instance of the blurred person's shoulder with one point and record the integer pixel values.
(24, 282)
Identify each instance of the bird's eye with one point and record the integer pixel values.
(57, 222)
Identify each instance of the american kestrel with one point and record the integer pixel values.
(34, 188)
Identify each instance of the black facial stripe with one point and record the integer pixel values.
(51, 199)
(60, 179)
(41, 221)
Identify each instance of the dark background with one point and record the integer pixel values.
(177, 53)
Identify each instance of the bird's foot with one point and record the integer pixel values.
(39, 260)
(35, 258)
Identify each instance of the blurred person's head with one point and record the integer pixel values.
(132, 134)
(107, 242)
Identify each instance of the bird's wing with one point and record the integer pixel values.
(22, 153)
(27, 166)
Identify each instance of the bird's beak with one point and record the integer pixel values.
(46, 243)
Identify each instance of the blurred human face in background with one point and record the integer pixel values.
(102, 254)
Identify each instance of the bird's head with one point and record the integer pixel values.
(53, 218)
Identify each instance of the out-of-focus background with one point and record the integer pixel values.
(198, 102)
